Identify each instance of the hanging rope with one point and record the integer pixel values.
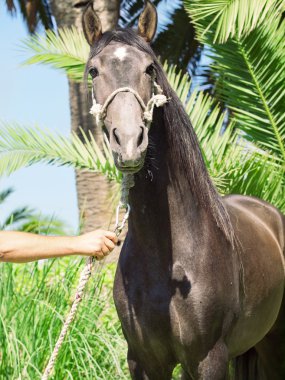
(127, 183)
(84, 277)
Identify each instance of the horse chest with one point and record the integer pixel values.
(171, 307)
(147, 304)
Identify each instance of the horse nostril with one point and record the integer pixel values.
(115, 133)
(140, 138)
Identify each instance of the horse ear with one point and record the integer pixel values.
(91, 23)
(148, 21)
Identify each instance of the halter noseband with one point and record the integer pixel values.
(157, 100)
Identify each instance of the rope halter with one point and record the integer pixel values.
(99, 111)
(157, 100)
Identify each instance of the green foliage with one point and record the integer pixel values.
(20, 147)
(34, 300)
(252, 73)
(230, 18)
(248, 72)
(179, 51)
(67, 50)
(249, 69)
(34, 13)
(235, 165)
(29, 220)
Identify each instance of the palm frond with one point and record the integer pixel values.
(34, 13)
(67, 50)
(249, 78)
(20, 147)
(16, 216)
(29, 220)
(235, 165)
(252, 74)
(231, 18)
(43, 224)
(175, 50)
(11, 6)
(4, 194)
(131, 10)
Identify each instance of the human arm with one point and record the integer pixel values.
(21, 247)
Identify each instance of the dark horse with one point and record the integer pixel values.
(200, 278)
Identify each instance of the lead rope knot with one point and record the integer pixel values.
(157, 100)
(97, 111)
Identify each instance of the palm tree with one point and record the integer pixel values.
(34, 13)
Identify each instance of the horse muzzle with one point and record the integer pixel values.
(129, 150)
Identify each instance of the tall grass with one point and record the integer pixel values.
(34, 300)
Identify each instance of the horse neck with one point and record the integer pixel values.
(162, 203)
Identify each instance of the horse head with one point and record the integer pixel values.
(124, 85)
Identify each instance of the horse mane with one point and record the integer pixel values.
(181, 136)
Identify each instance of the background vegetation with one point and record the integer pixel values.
(236, 102)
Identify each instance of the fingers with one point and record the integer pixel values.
(99, 257)
(109, 244)
(111, 235)
(106, 248)
(100, 243)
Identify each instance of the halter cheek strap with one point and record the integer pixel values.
(157, 100)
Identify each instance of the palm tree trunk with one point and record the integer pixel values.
(93, 191)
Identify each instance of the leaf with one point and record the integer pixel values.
(252, 73)
(67, 51)
(231, 18)
(34, 13)
(175, 50)
(16, 216)
(20, 147)
(249, 73)
(235, 165)
(4, 194)
(43, 224)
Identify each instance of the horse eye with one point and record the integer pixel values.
(93, 72)
(150, 70)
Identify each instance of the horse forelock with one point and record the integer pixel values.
(183, 142)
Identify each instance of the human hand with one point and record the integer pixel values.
(98, 243)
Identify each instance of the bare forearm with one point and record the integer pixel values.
(20, 247)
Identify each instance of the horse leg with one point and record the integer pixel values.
(215, 365)
(150, 369)
(265, 361)
(271, 349)
(248, 367)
